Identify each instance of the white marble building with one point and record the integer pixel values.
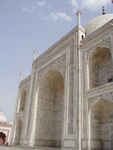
(67, 101)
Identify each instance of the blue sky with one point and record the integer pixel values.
(29, 24)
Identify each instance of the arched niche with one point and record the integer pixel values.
(18, 132)
(22, 101)
(49, 123)
(100, 67)
(101, 125)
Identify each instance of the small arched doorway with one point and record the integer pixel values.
(100, 67)
(50, 110)
(101, 125)
(2, 138)
(18, 132)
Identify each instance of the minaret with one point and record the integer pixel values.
(79, 93)
(35, 54)
(78, 25)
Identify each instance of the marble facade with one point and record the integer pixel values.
(67, 101)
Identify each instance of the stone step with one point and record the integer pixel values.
(26, 148)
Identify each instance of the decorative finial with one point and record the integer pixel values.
(78, 13)
(103, 11)
(78, 18)
(35, 53)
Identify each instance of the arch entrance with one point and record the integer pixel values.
(101, 125)
(49, 123)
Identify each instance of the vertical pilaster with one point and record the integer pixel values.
(29, 116)
(79, 97)
(34, 116)
(67, 92)
(29, 107)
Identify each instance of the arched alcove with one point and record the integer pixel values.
(18, 132)
(101, 125)
(100, 67)
(50, 110)
(22, 101)
(3, 138)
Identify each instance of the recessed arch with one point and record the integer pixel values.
(49, 123)
(22, 101)
(100, 67)
(18, 132)
(101, 125)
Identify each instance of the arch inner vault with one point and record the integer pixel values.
(49, 121)
(101, 126)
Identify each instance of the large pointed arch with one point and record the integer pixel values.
(101, 125)
(49, 123)
(100, 67)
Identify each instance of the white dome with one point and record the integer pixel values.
(2, 117)
(97, 22)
